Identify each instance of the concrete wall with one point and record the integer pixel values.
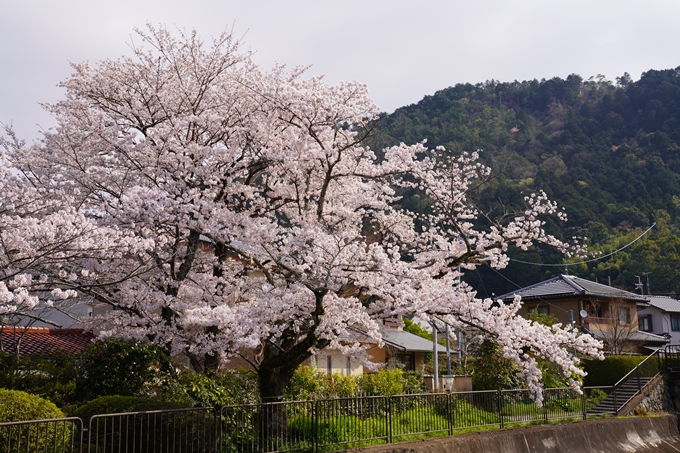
(612, 435)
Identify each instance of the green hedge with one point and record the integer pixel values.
(123, 367)
(15, 406)
(19, 406)
(613, 368)
(114, 404)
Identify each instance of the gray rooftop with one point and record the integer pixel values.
(636, 335)
(400, 339)
(664, 303)
(570, 286)
(406, 341)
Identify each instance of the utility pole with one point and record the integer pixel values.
(649, 290)
(448, 351)
(435, 353)
(639, 285)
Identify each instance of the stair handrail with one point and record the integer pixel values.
(672, 350)
(636, 369)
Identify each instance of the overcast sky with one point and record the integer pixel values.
(403, 50)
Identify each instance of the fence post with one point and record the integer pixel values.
(389, 419)
(500, 407)
(616, 404)
(315, 426)
(583, 404)
(450, 412)
(218, 429)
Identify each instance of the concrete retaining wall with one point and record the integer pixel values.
(612, 435)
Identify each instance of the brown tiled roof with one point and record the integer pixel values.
(43, 340)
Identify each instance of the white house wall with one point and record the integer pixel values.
(661, 323)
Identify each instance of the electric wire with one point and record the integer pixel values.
(590, 260)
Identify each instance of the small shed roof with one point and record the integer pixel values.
(570, 286)
(43, 340)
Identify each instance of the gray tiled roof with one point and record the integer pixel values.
(570, 285)
(664, 303)
(406, 341)
(636, 335)
(397, 338)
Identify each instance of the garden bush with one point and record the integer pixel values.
(200, 390)
(18, 406)
(123, 367)
(387, 382)
(613, 368)
(310, 383)
(21, 406)
(492, 371)
(113, 404)
(51, 377)
(307, 383)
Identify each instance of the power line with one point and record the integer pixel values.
(590, 260)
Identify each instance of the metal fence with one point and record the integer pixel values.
(309, 426)
(164, 431)
(58, 435)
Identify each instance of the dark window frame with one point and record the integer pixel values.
(675, 322)
(645, 323)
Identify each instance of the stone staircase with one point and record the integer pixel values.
(619, 397)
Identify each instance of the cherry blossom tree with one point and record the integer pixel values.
(43, 243)
(265, 228)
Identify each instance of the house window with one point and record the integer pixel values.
(675, 322)
(404, 362)
(624, 315)
(545, 310)
(645, 323)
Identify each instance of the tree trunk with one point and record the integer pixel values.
(278, 366)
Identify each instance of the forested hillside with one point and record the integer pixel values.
(608, 152)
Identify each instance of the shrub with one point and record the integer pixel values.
(385, 382)
(340, 386)
(307, 383)
(199, 390)
(113, 404)
(123, 367)
(492, 371)
(20, 406)
(51, 377)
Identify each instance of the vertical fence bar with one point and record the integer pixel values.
(500, 407)
(449, 413)
(583, 404)
(389, 418)
(315, 426)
